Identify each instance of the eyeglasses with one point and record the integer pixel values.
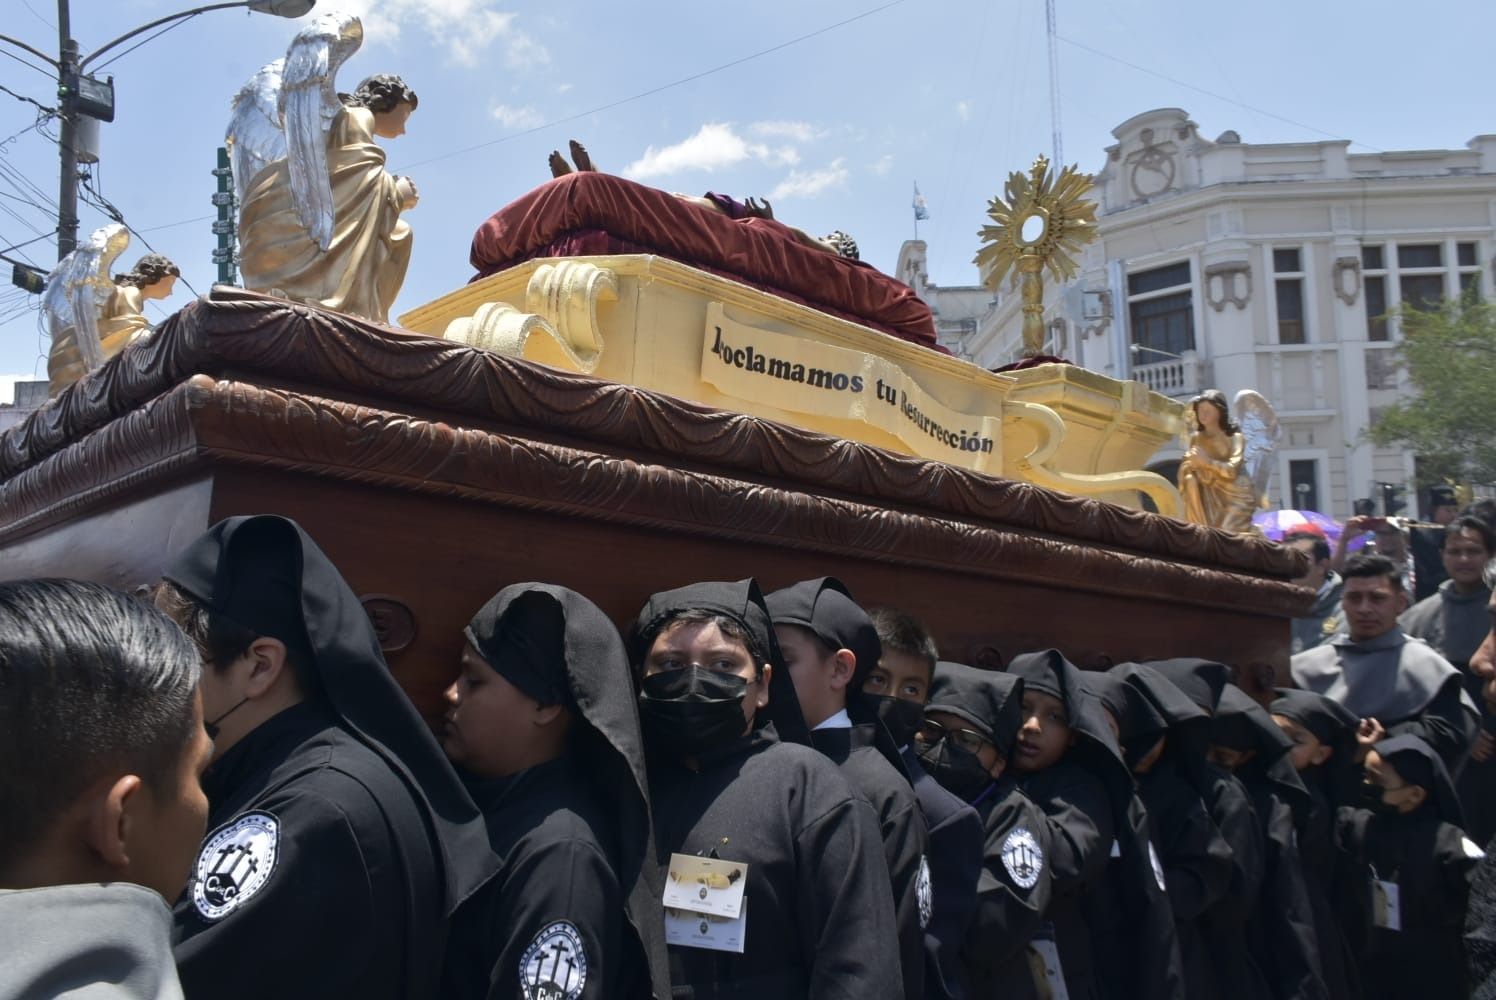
(963, 739)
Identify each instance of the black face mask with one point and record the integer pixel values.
(958, 771)
(692, 709)
(901, 717)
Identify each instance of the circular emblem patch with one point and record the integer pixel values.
(235, 863)
(1023, 858)
(1158, 868)
(554, 966)
(924, 892)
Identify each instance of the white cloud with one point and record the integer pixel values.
(811, 183)
(882, 165)
(715, 146)
(794, 131)
(466, 28)
(963, 110)
(563, 88)
(518, 118)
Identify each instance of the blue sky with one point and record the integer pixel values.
(834, 129)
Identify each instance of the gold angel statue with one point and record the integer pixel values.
(319, 217)
(90, 316)
(1224, 474)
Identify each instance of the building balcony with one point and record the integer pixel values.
(1177, 378)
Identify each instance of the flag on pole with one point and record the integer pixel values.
(921, 210)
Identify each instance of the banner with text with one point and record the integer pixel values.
(801, 375)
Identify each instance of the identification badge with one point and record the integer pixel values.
(704, 930)
(1386, 906)
(709, 886)
(1045, 956)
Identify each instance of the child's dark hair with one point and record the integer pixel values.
(729, 626)
(903, 633)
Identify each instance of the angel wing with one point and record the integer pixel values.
(308, 104)
(254, 137)
(79, 286)
(1259, 426)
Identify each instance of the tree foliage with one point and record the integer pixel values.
(1449, 420)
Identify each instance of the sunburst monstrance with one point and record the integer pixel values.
(1040, 222)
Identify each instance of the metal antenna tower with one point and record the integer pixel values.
(1054, 85)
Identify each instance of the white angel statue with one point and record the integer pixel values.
(319, 217)
(1223, 476)
(91, 316)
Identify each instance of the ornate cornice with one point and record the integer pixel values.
(332, 360)
(204, 424)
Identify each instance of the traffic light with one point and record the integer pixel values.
(1392, 499)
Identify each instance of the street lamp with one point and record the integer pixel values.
(80, 94)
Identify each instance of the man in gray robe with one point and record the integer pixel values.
(1325, 618)
(1394, 683)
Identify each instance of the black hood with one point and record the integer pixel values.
(265, 573)
(992, 702)
(1242, 724)
(587, 669)
(825, 607)
(1139, 722)
(1417, 764)
(743, 602)
(1333, 725)
(1201, 680)
(1188, 724)
(1096, 748)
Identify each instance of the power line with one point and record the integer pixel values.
(121, 55)
(655, 90)
(107, 207)
(28, 100)
(16, 246)
(1210, 93)
(49, 74)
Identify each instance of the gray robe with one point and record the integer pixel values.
(1399, 681)
(93, 942)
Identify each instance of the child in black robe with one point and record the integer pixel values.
(1281, 936)
(1323, 733)
(965, 743)
(1408, 867)
(1196, 858)
(1068, 764)
(1223, 926)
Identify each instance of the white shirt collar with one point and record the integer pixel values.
(841, 720)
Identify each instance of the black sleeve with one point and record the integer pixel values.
(1014, 887)
(1288, 947)
(904, 844)
(1081, 831)
(314, 921)
(846, 909)
(558, 918)
(955, 858)
(1449, 723)
(1237, 823)
(1196, 859)
(1350, 885)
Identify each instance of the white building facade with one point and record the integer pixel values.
(1223, 264)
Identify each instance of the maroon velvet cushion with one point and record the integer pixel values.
(591, 213)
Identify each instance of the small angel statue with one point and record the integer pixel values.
(1223, 476)
(319, 218)
(91, 317)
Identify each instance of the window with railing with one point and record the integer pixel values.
(1161, 311)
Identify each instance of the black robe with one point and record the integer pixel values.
(1197, 864)
(903, 831)
(557, 891)
(1432, 863)
(1012, 895)
(820, 916)
(1224, 925)
(351, 836)
(1317, 854)
(955, 859)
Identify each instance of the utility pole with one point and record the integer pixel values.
(67, 93)
(223, 227)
